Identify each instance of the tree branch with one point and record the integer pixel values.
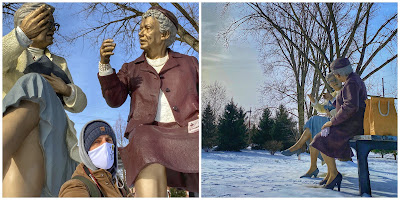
(380, 67)
(279, 29)
(364, 47)
(377, 50)
(187, 16)
(355, 27)
(335, 31)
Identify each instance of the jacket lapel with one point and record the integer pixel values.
(144, 66)
(172, 62)
(23, 59)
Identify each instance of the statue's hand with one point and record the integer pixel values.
(326, 125)
(58, 85)
(327, 96)
(36, 21)
(106, 50)
(312, 99)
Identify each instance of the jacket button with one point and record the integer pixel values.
(161, 76)
(175, 108)
(167, 90)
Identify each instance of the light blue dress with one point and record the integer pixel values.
(316, 122)
(52, 128)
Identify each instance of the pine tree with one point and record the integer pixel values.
(284, 128)
(208, 128)
(232, 129)
(264, 131)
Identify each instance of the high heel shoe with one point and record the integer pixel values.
(322, 182)
(314, 173)
(337, 181)
(287, 152)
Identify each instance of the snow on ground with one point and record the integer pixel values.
(256, 173)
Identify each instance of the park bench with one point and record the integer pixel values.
(363, 144)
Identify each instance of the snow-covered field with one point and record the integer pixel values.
(256, 173)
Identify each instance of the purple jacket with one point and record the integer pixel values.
(350, 99)
(178, 79)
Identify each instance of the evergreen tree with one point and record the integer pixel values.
(284, 128)
(208, 128)
(264, 131)
(231, 129)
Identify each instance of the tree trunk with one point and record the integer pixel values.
(300, 108)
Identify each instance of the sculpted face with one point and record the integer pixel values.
(341, 78)
(150, 36)
(334, 83)
(45, 38)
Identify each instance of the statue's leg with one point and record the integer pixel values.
(151, 181)
(18, 122)
(26, 174)
(303, 138)
(313, 160)
(332, 170)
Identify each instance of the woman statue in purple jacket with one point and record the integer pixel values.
(333, 141)
(162, 128)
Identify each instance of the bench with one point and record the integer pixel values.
(363, 144)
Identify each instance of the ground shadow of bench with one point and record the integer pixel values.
(363, 144)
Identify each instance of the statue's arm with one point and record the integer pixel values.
(12, 49)
(77, 101)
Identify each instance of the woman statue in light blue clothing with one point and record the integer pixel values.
(39, 141)
(314, 124)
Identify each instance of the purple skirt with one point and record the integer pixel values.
(167, 144)
(336, 144)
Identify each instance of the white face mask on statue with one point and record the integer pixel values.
(103, 156)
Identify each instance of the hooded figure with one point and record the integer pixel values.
(99, 154)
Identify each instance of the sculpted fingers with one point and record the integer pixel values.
(46, 76)
(108, 41)
(36, 12)
(106, 50)
(43, 21)
(34, 23)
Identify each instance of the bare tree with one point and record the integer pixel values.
(309, 36)
(215, 95)
(119, 130)
(8, 13)
(121, 21)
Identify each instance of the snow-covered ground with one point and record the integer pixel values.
(256, 173)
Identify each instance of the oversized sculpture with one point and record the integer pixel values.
(333, 141)
(39, 140)
(163, 120)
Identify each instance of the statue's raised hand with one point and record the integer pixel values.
(106, 50)
(36, 21)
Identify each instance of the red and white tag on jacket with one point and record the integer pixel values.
(193, 126)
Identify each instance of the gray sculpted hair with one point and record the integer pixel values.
(25, 9)
(344, 71)
(165, 24)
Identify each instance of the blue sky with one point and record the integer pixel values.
(82, 58)
(237, 66)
